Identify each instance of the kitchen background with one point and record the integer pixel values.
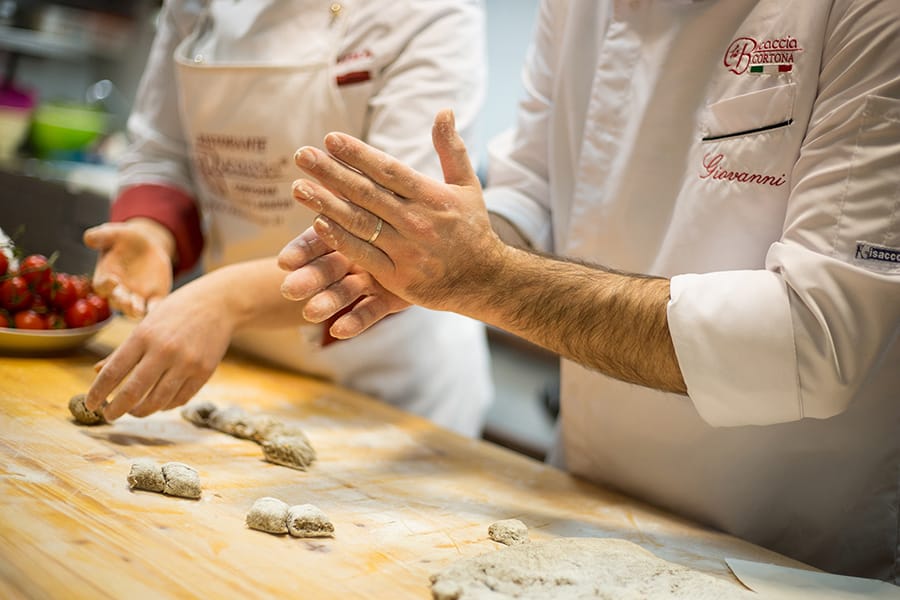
(70, 72)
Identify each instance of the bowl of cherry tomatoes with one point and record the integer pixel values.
(45, 310)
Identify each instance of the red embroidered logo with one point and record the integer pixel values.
(747, 55)
(713, 168)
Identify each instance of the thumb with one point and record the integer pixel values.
(451, 151)
(100, 237)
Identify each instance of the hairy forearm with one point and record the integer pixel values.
(612, 322)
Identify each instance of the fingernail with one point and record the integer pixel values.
(334, 142)
(305, 158)
(322, 226)
(301, 189)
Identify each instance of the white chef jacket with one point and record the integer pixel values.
(395, 68)
(750, 151)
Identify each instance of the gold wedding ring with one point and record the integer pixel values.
(377, 231)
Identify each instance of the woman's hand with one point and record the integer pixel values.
(134, 270)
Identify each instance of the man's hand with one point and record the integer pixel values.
(134, 270)
(434, 246)
(331, 282)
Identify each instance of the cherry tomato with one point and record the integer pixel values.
(64, 292)
(101, 304)
(35, 268)
(14, 293)
(81, 314)
(54, 320)
(39, 305)
(82, 285)
(28, 319)
(4, 262)
(4, 319)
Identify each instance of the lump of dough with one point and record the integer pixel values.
(508, 531)
(578, 568)
(291, 451)
(145, 474)
(199, 413)
(267, 428)
(181, 480)
(231, 420)
(82, 413)
(306, 520)
(269, 515)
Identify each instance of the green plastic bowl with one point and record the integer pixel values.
(58, 127)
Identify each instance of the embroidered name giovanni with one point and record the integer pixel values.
(713, 168)
(884, 254)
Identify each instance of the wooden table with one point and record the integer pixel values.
(406, 498)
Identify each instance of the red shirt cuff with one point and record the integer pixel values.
(173, 209)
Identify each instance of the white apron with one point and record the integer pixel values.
(256, 82)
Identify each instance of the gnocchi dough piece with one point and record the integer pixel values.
(199, 413)
(145, 474)
(181, 480)
(291, 451)
(307, 521)
(172, 478)
(82, 413)
(508, 531)
(269, 515)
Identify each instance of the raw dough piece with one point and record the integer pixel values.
(306, 520)
(269, 515)
(577, 568)
(199, 413)
(290, 451)
(267, 428)
(231, 420)
(181, 480)
(145, 474)
(508, 531)
(82, 413)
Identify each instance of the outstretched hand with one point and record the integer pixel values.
(434, 245)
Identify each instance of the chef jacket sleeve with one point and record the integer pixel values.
(518, 159)
(802, 337)
(441, 65)
(154, 174)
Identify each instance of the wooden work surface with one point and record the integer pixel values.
(406, 498)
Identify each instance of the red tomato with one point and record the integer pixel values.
(28, 319)
(35, 268)
(14, 293)
(64, 292)
(82, 285)
(81, 314)
(4, 262)
(4, 319)
(101, 304)
(54, 320)
(39, 305)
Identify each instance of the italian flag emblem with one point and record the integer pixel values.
(760, 69)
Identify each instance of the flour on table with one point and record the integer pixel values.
(508, 531)
(82, 413)
(275, 516)
(578, 568)
(172, 478)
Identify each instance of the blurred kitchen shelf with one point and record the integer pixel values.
(524, 374)
(49, 45)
